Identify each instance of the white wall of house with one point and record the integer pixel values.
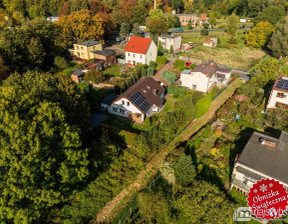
(227, 77)
(197, 81)
(151, 53)
(126, 105)
(167, 42)
(130, 58)
(274, 98)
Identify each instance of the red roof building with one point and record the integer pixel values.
(140, 50)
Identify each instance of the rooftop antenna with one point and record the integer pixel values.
(8, 21)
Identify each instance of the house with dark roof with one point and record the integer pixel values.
(140, 50)
(138, 102)
(204, 76)
(83, 50)
(107, 55)
(263, 157)
(279, 94)
(167, 41)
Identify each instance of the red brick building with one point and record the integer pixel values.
(109, 56)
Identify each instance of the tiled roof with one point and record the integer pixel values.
(138, 45)
(146, 86)
(203, 17)
(210, 68)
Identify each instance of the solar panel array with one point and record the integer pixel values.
(139, 100)
(282, 84)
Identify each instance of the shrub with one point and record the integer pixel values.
(170, 77)
(150, 71)
(192, 66)
(202, 106)
(176, 90)
(94, 76)
(161, 60)
(179, 63)
(60, 62)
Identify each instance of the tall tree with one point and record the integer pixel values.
(97, 6)
(77, 5)
(279, 39)
(271, 14)
(124, 30)
(173, 21)
(158, 27)
(259, 35)
(4, 73)
(41, 158)
(185, 171)
(64, 10)
(231, 24)
(136, 31)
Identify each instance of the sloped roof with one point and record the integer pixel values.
(271, 161)
(88, 43)
(203, 17)
(146, 87)
(105, 52)
(210, 68)
(138, 45)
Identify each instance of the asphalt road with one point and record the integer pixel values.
(211, 30)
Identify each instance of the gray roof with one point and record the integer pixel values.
(249, 173)
(88, 43)
(186, 71)
(169, 36)
(271, 161)
(109, 99)
(180, 15)
(77, 72)
(210, 68)
(96, 119)
(105, 52)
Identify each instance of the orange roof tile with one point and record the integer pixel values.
(138, 45)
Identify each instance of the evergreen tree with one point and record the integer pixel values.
(136, 31)
(185, 170)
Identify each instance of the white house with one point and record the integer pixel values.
(243, 20)
(279, 94)
(167, 41)
(140, 50)
(139, 101)
(203, 76)
(263, 157)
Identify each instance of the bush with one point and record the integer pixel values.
(94, 76)
(161, 60)
(192, 66)
(176, 90)
(204, 32)
(179, 63)
(202, 106)
(150, 71)
(170, 77)
(60, 62)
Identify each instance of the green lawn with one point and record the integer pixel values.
(113, 71)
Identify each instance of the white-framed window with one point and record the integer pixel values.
(133, 55)
(123, 102)
(77, 47)
(81, 48)
(140, 56)
(128, 104)
(128, 54)
(114, 109)
(122, 111)
(83, 55)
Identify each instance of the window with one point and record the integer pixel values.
(83, 55)
(280, 95)
(123, 102)
(77, 48)
(133, 55)
(81, 48)
(94, 48)
(140, 56)
(128, 104)
(78, 54)
(115, 109)
(128, 54)
(122, 111)
(194, 87)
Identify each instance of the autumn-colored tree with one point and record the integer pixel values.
(260, 34)
(82, 25)
(64, 9)
(126, 6)
(158, 26)
(97, 6)
(77, 5)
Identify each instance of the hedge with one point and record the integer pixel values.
(202, 106)
(179, 63)
(170, 77)
(161, 60)
(150, 71)
(176, 90)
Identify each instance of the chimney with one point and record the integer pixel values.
(155, 91)
(263, 141)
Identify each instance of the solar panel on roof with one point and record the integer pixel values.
(139, 100)
(282, 84)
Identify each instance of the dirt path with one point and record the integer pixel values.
(158, 77)
(113, 207)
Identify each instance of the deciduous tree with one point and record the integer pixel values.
(271, 14)
(231, 24)
(64, 10)
(158, 27)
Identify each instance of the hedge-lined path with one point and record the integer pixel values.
(113, 207)
(168, 66)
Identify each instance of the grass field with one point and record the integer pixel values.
(237, 56)
(113, 71)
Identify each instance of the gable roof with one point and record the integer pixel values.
(105, 52)
(271, 161)
(144, 94)
(210, 69)
(138, 45)
(203, 17)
